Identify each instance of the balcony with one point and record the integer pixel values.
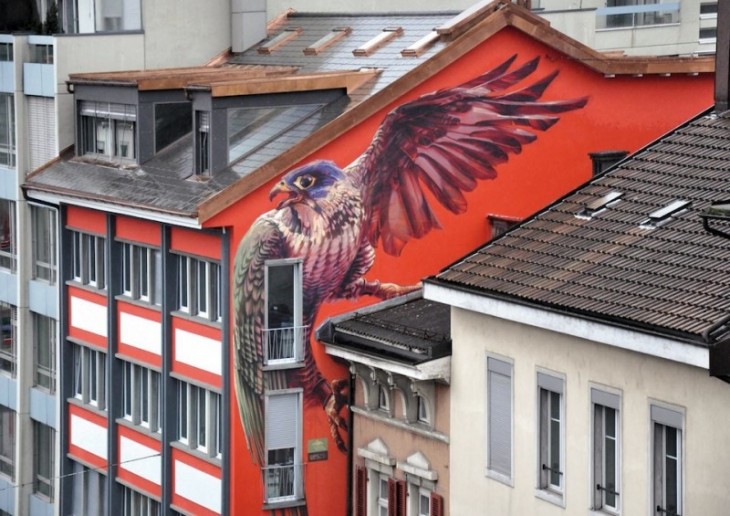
(283, 483)
(283, 345)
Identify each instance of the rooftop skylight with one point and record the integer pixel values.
(378, 41)
(420, 46)
(322, 43)
(279, 41)
(662, 215)
(599, 204)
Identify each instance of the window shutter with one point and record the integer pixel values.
(282, 415)
(401, 495)
(392, 498)
(500, 417)
(437, 505)
(361, 491)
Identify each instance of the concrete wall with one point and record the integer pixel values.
(641, 379)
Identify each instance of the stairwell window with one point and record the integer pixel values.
(8, 345)
(606, 451)
(108, 130)
(44, 243)
(284, 332)
(7, 442)
(8, 251)
(551, 431)
(283, 473)
(7, 129)
(43, 460)
(668, 463)
(44, 351)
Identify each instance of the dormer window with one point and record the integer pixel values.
(202, 142)
(108, 130)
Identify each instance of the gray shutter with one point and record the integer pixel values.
(500, 416)
(41, 130)
(282, 416)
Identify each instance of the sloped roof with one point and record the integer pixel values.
(625, 263)
(411, 330)
(164, 185)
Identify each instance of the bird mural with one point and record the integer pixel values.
(332, 220)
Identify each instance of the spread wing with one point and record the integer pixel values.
(262, 242)
(447, 141)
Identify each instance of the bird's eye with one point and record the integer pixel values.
(304, 181)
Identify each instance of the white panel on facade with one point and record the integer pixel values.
(140, 333)
(41, 130)
(141, 460)
(197, 486)
(88, 316)
(198, 351)
(89, 436)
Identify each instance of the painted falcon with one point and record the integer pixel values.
(333, 219)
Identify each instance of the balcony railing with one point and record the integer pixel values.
(283, 345)
(283, 482)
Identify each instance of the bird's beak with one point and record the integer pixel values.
(282, 188)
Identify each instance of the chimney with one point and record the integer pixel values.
(603, 160)
(248, 23)
(722, 57)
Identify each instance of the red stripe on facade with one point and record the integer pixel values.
(87, 337)
(195, 243)
(137, 230)
(132, 478)
(90, 221)
(81, 453)
(201, 465)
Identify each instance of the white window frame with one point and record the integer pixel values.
(8, 440)
(548, 386)
(90, 376)
(8, 238)
(423, 410)
(8, 149)
(136, 504)
(663, 417)
(47, 371)
(602, 402)
(89, 259)
(191, 419)
(44, 232)
(274, 334)
(381, 502)
(499, 368)
(199, 288)
(110, 128)
(9, 345)
(384, 398)
(142, 396)
(274, 423)
(43, 460)
(142, 273)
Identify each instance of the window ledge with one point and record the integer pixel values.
(91, 408)
(196, 453)
(499, 477)
(599, 512)
(286, 365)
(87, 287)
(284, 505)
(138, 302)
(139, 428)
(549, 496)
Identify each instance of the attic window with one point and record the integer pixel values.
(388, 34)
(662, 215)
(599, 204)
(421, 46)
(322, 43)
(280, 40)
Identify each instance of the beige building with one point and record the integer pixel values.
(590, 344)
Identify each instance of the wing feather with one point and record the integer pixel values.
(263, 241)
(445, 142)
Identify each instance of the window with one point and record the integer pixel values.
(43, 457)
(499, 417)
(8, 251)
(708, 35)
(142, 399)
(8, 346)
(501, 225)
(142, 273)
(424, 415)
(90, 376)
(382, 494)
(7, 130)
(606, 451)
(199, 422)
(108, 130)
(89, 491)
(383, 399)
(637, 13)
(424, 502)
(551, 432)
(283, 470)
(6, 52)
(7, 442)
(44, 243)
(41, 53)
(708, 9)
(667, 468)
(202, 142)
(89, 260)
(284, 331)
(199, 288)
(44, 340)
(137, 504)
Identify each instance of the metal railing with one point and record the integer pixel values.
(283, 344)
(283, 482)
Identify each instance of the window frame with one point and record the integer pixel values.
(297, 464)
(135, 503)
(9, 356)
(663, 417)
(8, 420)
(89, 378)
(44, 223)
(104, 128)
(503, 366)
(142, 273)
(8, 242)
(142, 396)
(48, 369)
(43, 460)
(188, 400)
(298, 330)
(89, 259)
(548, 386)
(8, 148)
(193, 300)
(602, 401)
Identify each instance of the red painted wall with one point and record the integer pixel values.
(623, 113)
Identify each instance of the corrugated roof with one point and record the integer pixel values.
(668, 275)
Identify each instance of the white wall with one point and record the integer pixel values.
(641, 378)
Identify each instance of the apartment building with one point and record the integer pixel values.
(161, 204)
(37, 120)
